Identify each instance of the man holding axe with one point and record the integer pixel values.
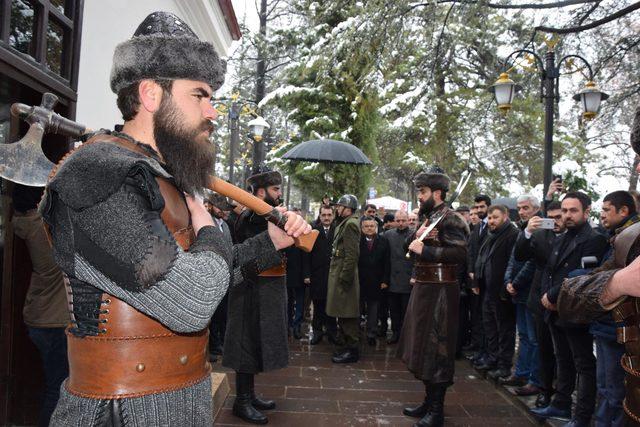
(146, 263)
(429, 331)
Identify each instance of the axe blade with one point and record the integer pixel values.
(24, 162)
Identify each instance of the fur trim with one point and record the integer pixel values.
(435, 181)
(264, 179)
(160, 56)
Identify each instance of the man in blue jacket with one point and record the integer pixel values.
(517, 280)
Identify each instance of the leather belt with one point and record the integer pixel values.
(277, 271)
(632, 388)
(134, 355)
(626, 309)
(627, 334)
(435, 273)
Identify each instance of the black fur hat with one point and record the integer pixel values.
(164, 47)
(635, 132)
(264, 178)
(433, 180)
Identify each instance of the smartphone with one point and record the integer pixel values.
(557, 177)
(547, 224)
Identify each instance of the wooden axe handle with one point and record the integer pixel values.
(304, 242)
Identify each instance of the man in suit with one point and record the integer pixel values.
(476, 238)
(316, 275)
(542, 240)
(343, 289)
(399, 274)
(573, 343)
(498, 312)
(373, 270)
(218, 206)
(295, 287)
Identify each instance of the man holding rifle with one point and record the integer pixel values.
(429, 332)
(146, 264)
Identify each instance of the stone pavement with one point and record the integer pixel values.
(312, 391)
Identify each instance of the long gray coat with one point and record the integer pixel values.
(256, 335)
(343, 291)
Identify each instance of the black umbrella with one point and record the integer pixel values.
(327, 151)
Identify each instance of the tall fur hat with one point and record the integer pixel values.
(635, 132)
(164, 47)
(434, 178)
(264, 178)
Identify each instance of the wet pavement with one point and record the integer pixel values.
(313, 391)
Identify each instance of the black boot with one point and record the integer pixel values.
(418, 411)
(242, 407)
(297, 333)
(348, 356)
(258, 403)
(435, 414)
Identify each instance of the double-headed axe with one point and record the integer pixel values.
(25, 163)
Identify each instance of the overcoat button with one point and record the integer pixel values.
(184, 359)
(140, 367)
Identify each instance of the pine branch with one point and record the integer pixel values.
(594, 24)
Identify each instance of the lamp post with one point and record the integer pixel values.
(238, 107)
(590, 97)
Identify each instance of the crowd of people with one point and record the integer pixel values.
(509, 286)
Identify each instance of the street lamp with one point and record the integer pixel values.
(238, 107)
(590, 96)
(504, 90)
(257, 127)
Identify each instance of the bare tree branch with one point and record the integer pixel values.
(554, 5)
(593, 24)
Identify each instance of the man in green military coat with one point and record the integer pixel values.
(343, 292)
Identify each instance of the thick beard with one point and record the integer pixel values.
(482, 215)
(271, 201)
(188, 158)
(426, 207)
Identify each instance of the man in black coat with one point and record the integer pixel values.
(476, 238)
(256, 336)
(542, 240)
(295, 287)
(400, 269)
(373, 270)
(498, 311)
(316, 275)
(573, 343)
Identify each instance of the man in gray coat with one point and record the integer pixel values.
(400, 273)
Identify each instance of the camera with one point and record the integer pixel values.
(547, 224)
(589, 262)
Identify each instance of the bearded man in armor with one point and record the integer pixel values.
(145, 262)
(429, 332)
(256, 336)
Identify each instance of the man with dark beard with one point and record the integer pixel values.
(429, 332)
(256, 338)
(146, 264)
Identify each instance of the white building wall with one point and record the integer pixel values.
(109, 22)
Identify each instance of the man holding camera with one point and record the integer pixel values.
(573, 344)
